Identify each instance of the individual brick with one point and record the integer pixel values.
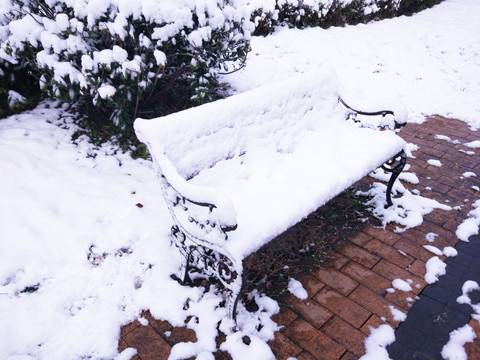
(392, 272)
(283, 348)
(438, 217)
(311, 284)
(373, 302)
(285, 317)
(310, 310)
(389, 252)
(413, 249)
(129, 328)
(122, 345)
(360, 238)
(373, 322)
(342, 306)
(357, 253)
(418, 268)
(335, 260)
(182, 334)
(383, 235)
(451, 225)
(317, 344)
(149, 344)
(346, 335)
(366, 277)
(403, 300)
(335, 279)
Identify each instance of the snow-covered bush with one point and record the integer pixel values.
(266, 14)
(122, 55)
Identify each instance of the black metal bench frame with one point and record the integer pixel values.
(202, 258)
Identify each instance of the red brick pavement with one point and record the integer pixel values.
(348, 297)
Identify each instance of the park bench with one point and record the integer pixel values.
(237, 172)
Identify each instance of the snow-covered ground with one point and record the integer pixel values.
(431, 61)
(84, 231)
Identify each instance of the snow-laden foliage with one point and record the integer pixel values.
(122, 55)
(266, 14)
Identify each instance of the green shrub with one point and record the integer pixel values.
(123, 57)
(267, 14)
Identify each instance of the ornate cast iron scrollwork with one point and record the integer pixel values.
(395, 167)
(202, 261)
(198, 236)
(354, 112)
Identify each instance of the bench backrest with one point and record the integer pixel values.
(199, 137)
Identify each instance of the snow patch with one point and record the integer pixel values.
(467, 287)
(468, 174)
(243, 347)
(14, 99)
(106, 91)
(454, 349)
(402, 285)
(435, 162)
(470, 226)
(444, 137)
(431, 236)
(377, 342)
(449, 251)
(407, 210)
(435, 268)
(296, 288)
(473, 144)
(433, 249)
(397, 314)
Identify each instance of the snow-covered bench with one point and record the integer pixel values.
(237, 172)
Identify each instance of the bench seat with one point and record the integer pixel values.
(272, 190)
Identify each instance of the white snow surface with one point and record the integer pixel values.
(435, 268)
(435, 162)
(402, 285)
(408, 208)
(431, 236)
(469, 174)
(85, 248)
(296, 288)
(449, 251)
(92, 260)
(433, 249)
(397, 314)
(446, 138)
(454, 348)
(429, 61)
(14, 98)
(473, 144)
(471, 225)
(377, 341)
(467, 287)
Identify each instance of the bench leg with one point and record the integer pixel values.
(395, 167)
(207, 261)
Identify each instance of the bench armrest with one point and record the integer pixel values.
(198, 210)
(398, 112)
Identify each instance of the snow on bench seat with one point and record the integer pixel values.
(272, 190)
(260, 161)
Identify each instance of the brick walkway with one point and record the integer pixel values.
(348, 295)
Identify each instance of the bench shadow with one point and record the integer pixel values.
(305, 247)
